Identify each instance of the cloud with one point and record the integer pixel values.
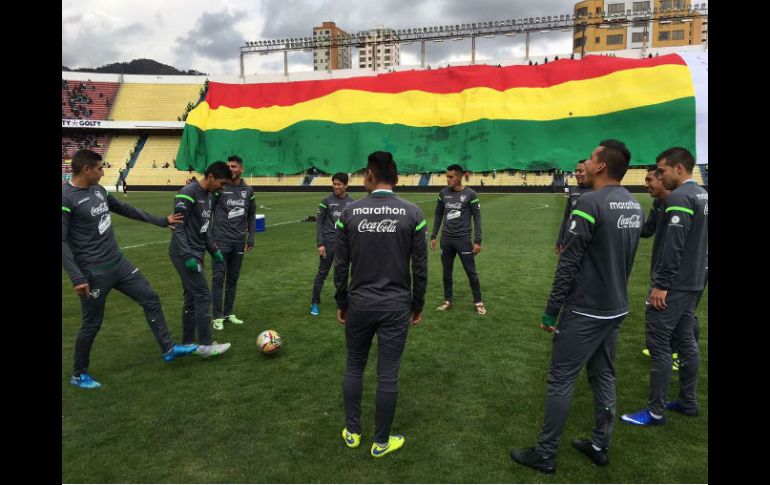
(93, 39)
(214, 36)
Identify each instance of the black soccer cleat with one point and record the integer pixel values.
(586, 447)
(528, 457)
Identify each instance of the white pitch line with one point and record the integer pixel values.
(166, 241)
(294, 222)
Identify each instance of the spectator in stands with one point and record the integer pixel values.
(125, 187)
(572, 56)
(154, 165)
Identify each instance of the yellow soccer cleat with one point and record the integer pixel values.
(394, 443)
(352, 440)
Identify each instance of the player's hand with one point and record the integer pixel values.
(559, 249)
(249, 246)
(192, 265)
(416, 318)
(476, 248)
(82, 289)
(658, 298)
(174, 219)
(548, 323)
(322, 251)
(342, 316)
(432, 244)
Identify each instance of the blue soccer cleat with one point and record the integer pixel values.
(643, 418)
(84, 381)
(179, 351)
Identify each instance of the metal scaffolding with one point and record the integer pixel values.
(440, 33)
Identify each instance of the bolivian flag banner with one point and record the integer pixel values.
(482, 117)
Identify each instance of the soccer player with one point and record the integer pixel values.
(329, 211)
(187, 247)
(455, 206)
(234, 209)
(573, 194)
(590, 300)
(95, 265)
(377, 237)
(654, 224)
(677, 283)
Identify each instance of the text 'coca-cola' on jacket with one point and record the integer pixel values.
(378, 237)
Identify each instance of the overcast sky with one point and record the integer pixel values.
(205, 34)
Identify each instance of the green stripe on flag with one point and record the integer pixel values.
(681, 209)
(182, 196)
(523, 144)
(420, 225)
(588, 217)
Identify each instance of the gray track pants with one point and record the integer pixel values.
(676, 324)
(391, 329)
(196, 312)
(581, 341)
(126, 278)
(226, 274)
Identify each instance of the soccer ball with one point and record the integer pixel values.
(268, 342)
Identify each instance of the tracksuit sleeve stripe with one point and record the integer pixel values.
(475, 201)
(340, 225)
(681, 209)
(66, 209)
(582, 214)
(420, 225)
(182, 196)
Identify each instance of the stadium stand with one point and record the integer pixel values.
(97, 142)
(153, 102)
(134, 99)
(87, 99)
(159, 149)
(120, 149)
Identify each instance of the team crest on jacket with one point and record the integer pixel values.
(98, 195)
(243, 194)
(462, 198)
